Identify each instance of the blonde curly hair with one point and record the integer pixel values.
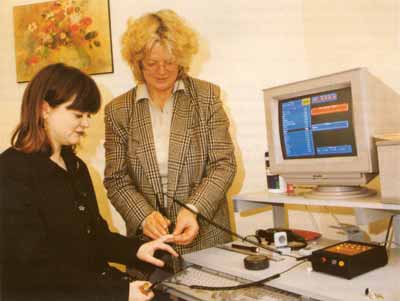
(164, 27)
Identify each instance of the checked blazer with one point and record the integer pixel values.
(201, 163)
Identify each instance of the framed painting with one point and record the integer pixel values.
(74, 32)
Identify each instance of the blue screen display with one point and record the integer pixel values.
(317, 125)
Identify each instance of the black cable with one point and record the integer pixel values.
(160, 207)
(235, 287)
(162, 210)
(240, 286)
(228, 230)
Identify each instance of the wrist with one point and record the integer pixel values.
(193, 207)
(143, 223)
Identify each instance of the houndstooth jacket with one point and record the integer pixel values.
(201, 164)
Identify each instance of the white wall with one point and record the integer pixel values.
(245, 46)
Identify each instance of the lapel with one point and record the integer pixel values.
(142, 134)
(179, 139)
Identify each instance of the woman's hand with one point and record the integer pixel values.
(155, 225)
(146, 251)
(138, 292)
(186, 228)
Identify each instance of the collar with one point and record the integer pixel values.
(41, 162)
(143, 93)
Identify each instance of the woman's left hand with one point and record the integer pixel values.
(186, 228)
(138, 292)
(146, 251)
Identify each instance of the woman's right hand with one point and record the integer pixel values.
(147, 250)
(138, 292)
(155, 225)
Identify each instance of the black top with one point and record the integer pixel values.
(54, 245)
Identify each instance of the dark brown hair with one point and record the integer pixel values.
(55, 84)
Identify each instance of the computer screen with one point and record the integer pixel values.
(318, 125)
(320, 131)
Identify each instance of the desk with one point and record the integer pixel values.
(310, 284)
(367, 209)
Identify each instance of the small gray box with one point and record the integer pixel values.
(389, 170)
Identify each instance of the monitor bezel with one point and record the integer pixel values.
(361, 163)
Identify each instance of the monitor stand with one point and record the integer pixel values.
(339, 192)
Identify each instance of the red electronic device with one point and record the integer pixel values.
(307, 235)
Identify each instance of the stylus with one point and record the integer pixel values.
(246, 248)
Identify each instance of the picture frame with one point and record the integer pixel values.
(74, 32)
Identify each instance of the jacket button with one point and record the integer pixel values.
(88, 230)
(81, 208)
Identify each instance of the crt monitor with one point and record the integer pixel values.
(321, 131)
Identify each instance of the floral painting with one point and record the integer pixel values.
(75, 32)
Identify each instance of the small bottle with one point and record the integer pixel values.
(275, 183)
(290, 189)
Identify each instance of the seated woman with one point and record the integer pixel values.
(54, 243)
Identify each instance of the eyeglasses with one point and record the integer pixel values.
(154, 66)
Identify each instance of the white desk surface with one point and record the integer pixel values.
(373, 202)
(384, 281)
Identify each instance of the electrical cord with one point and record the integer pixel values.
(389, 228)
(314, 222)
(240, 286)
(228, 230)
(397, 244)
(338, 222)
(164, 213)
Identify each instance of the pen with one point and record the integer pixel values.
(247, 248)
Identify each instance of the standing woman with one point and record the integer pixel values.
(168, 139)
(54, 244)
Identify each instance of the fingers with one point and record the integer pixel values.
(157, 245)
(146, 251)
(179, 228)
(144, 287)
(183, 220)
(138, 291)
(152, 234)
(188, 234)
(154, 261)
(156, 225)
(167, 238)
(186, 237)
(168, 249)
(186, 228)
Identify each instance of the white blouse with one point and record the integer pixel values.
(161, 124)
